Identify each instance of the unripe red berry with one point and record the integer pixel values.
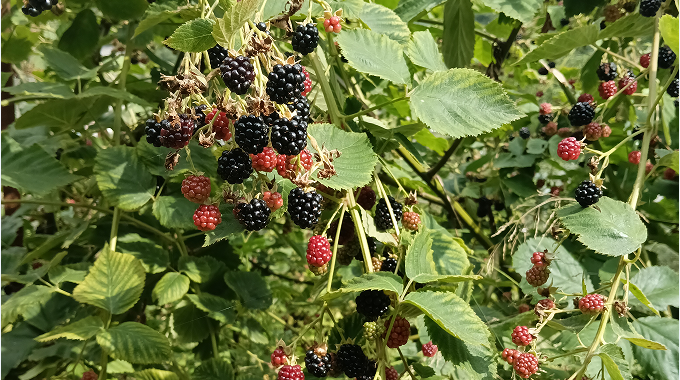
(411, 221)
(539, 94)
(634, 157)
(279, 357)
(207, 217)
(591, 304)
(291, 372)
(526, 365)
(543, 305)
(537, 276)
(545, 108)
(644, 60)
(399, 334)
(605, 130)
(391, 374)
(196, 188)
(628, 79)
(649, 167)
(89, 375)
(555, 190)
(510, 355)
(273, 200)
(430, 349)
(539, 260)
(569, 149)
(220, 126)
(264, 161)
(607, 89)
(669, 174)
(564, 132)
(523, 308)
(308, 82)
(521, 336)
(550, 129)
(290, 166)
(318, 251)
(592, 131)
(586, 98)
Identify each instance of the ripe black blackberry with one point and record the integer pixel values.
(217, 54)
(606, 71)
(672, 90)
(254, 216)
(271, 118)
(551, 65)
(285, 83)
(389, 265)
(382, 218)
(289, 137)
(29, 10)
(524, 133)
(369, 371)
(581, 114)
(153, 132)
(545, 119)
(666, 57)
(234, 166)
(262, 27)
(238, 74)
(372, 244)
(200, 116)
(301, 105)
(587, 193)
(305, 38)
(352, 360)
(543, 71)
(251, 134)
(317, 365)
(177, 136)
(304, 208)
(564, 22)
(372, 304)
(648, 8)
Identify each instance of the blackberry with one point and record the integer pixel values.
(217, 54)
(352, 360)
(369, 371)
(271, 118)
(238, 74)
(587, 193)
(305, 38)
(524, 133)
(285, 83)
(30, 11)
(304, 208)
(648, 8)
(382, 218)
(666, 57)
(372, 304)
(177, 137)
(317, 365)
(234, 166)
(301, 105)
(543, 71)
(289, 137)
(262, 27)
(199, 111)
(153, 132)
(251, 134)
(672, 90)
(366, 197)
(545, 119)
(581, 114)
(606, 71)
(521, 336)
(254, 216)
(372, 244)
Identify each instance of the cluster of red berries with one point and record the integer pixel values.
(539, 273)
(273, 200)
(569, 149)
(521, 336)
(318, 251)
(429, 349)
(524, 363)
(332, 24)
(591, 304)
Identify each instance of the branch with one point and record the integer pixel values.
(504, 48)
(454, 146)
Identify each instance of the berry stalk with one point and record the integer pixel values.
(335, 249)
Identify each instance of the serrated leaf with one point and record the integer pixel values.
(226, 28)
(229, 226)
(172, 287)
(123, 180)
(383, 20)
(563, 43)
(614, 361)
(217, 308)
(155, 374)
(408, 9)
(462, 102)
(191, 324)
(65, 65)
(135, 343)
(670, 160)
(423, 51)
(83, 329)
(154, 159)
(420, 264)
(214, 369)
(522, 10)
(113, 92)
(373, 281)
(171, 211)
(458, 41)
(357, 161)
(21, 301)
(658, 364)
(154, 258)
(630, 25)
(615, 230)
(80, 39)
(159, 12)
(668, 26)
(41, 89)
(251, 287)
(658, 285)
(374, 54)
(68, 273)
(15, 160)
(449, 253)
(196, 268)
(115, 283)
(62, 114)
(192, 36)
(635, 291)
(452, 314)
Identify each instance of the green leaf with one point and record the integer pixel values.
(658, 364)
(448, 253)
(658, 285)
(670, 160)
(458, 41)
(631, 25)
(214, 369)
(462, 102)
(154, 159)
(83, 329)
(122, 9)
(536, 146)
(135, 343)
(354, 167)
(383, 20)
(374, 54)
(522, 10)
(217, 308)
(154, 258)
(614, 361)
(171, 211)
(15, 160)
(420, 264)
(191, 324)
(67, 273)
(563, 43)
(229, 226)
(115, 283)
(634, 290)
(113, 92)
(23, 300)
(18, 45)
(227, 27)
(62, 114)
(155, 374)
(172, 287)
(615, 230)
(41, 89)
(196, 268)
(159, 12)
(123, 180)
(251, 287)
(193, 36)
(65, 65)
(575, 7)
(452, 314)
(80, 39)
(668, 26)
(408, 9)
(374, 281)
(17, 345)
(423, 51)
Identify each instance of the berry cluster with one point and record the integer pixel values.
(587, 193)
(332, 24)
(318, 251)
(382, 218)
(429, 349)
(372, 304)
(591, 304)
(35, 7)
(539, 272)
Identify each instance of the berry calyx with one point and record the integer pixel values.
(411, 221)
(521, 336)
(279, 357)
(525, 365)
(254, 216)
(220, 125)
(537, 276)
(372, 304)
(291, 372)
(569, 149)
(510, 355)
(207, 217)
(429, 349)
(196, 188)
(273, 200)
(591, 304)
(401, 330)
(332, 24)
(607, 89)
(634, 157)
(318, 251)
(587, 193)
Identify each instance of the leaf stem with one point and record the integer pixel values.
(635, 64)
(359, 228)
(327, 91)
(371, 109)
(329, 286)
(113, 240)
